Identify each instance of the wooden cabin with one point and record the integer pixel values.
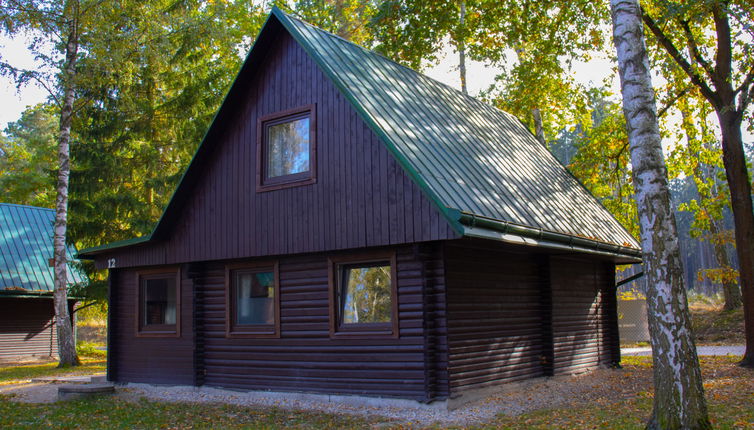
(350, 226)
(27, 315)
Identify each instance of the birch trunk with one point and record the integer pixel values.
(679, 397)
(66, 343)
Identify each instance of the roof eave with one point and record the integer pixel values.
(89, 253)
(488, 228)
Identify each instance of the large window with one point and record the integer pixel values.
(286, 154)
(159, 303)
(253, 300)
(363, 296)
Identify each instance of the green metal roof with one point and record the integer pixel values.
(25, 249)
(467, 155)
(473, 161)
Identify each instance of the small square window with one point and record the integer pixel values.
(286, 149)
(253, 303)
(364, 296)
(159, 303)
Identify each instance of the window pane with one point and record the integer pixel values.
(366, 294)
(288, 148)
(159, 301)
(255, 298)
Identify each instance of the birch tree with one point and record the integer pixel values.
(679, 396)
(56, 24)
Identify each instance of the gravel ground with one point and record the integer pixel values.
(701, 350)
(516, 399)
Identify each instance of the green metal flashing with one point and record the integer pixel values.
(402, 161)
(85, 253)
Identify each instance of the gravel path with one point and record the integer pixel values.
(701, 350)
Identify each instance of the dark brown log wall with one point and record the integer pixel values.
(362, 197)
(156, 360)
(27, 328)
(581, 317)
(305, 358)
(494, 314)
(514, 314)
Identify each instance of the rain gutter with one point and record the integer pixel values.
(480, 226)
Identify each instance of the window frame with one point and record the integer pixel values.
(362, 330)
(251, 330)
(158, 330)
(295, 179)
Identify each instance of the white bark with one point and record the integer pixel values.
(66, 344)
(679, 397)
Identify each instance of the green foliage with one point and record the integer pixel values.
(28, 158)
(89, 349)
(348, 19)
(602, 159)
(149, 112)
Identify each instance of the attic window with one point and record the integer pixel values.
(286, 149)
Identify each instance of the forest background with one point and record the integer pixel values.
(152, 74)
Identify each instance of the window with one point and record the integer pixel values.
(363, 296)
(159, 311)
(286, 149)
(253, 300)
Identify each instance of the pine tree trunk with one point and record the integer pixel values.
(539, 129)
(743, 217)
(731, 292)
(462, 49)
(66, 343)
(679, 396)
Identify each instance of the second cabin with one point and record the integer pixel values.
(350, 226)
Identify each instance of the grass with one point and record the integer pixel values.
(17, 374)
(113, 414)
(624, 402)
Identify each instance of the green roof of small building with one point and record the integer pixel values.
(25, 249)
(481, 167)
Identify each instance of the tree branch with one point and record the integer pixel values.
(672, 101)
(666, 43)
(723, 58)
(694, 50)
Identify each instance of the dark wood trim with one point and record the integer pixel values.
(261, 331)
(111, 350)
(162, 330)
(547, 358)
(294, 180)
(366, 330)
